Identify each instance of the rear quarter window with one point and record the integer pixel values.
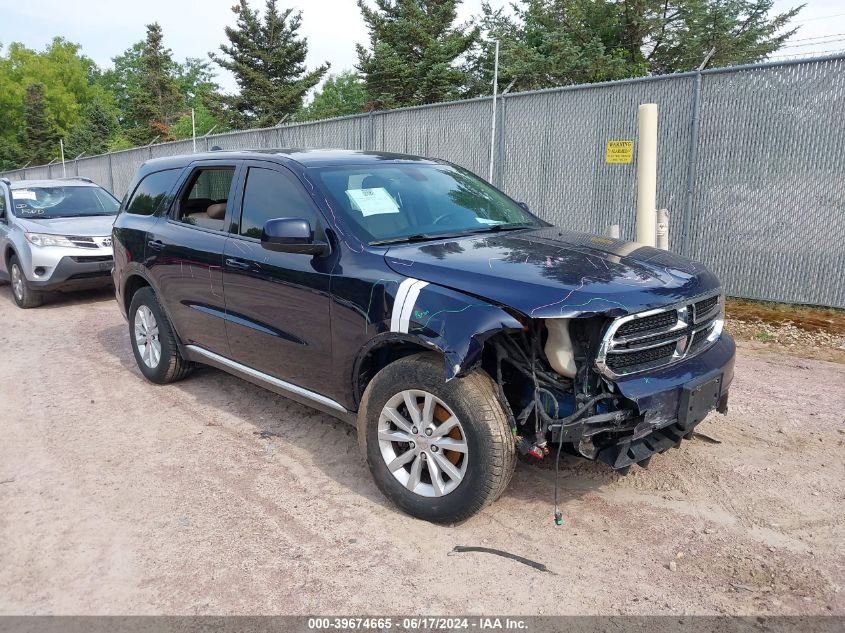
(153, 193)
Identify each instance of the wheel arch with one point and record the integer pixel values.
(8, 252)
(133, 283)
(136, 280)
(381, 351)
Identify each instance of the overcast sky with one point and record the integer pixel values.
(333, 27)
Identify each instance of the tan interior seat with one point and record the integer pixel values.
(217, 211)
(211, 218)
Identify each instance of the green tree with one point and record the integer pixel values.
(267, 58)
(205, 120)
(40, 137)
(69, 81)
(123, 80)
(414, 51)
(739, 31)
(340, 95)
(154, 102)
(196, 82)
(547, 43)
(96, 132)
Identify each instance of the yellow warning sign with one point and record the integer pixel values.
(619, 152)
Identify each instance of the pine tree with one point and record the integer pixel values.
(267, 58)
(40, 139)
(547, 43)
(414, 50)
(154, 102)
(96, 129)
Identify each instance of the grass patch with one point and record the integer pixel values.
(809, 318)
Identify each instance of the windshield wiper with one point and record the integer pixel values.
(495, 228)
(419, 237)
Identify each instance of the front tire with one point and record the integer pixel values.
(153, 340)
(25, 297)
(439, 450)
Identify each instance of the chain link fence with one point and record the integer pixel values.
(750, 163)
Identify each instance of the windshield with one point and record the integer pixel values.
(62, 202)
(397, 202)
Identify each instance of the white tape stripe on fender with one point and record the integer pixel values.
(408, 308)
(399, 301)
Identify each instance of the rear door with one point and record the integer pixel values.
(277, 304)
(185, 254)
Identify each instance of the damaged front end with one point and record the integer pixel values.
(613, 389)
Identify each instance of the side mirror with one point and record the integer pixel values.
(291, 235)
(523, 205)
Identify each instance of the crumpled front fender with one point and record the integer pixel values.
(455, 323)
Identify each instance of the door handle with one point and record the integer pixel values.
(238, 264)
(156, 245)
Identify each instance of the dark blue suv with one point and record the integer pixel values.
(413, 299)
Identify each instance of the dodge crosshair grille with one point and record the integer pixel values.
(655, 338)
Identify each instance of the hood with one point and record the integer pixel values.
(550, 272)
(85, 226)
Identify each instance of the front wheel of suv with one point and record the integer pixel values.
(439, 450)
(25, 297)
(153, 340)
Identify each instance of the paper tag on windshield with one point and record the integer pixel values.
(375, 201)
(23, 194)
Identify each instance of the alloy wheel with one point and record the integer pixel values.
(423, 443)
(146, 337)
(17, 282)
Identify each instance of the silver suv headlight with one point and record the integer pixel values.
(45, 239)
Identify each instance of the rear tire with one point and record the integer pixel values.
(25, 297)
(153, 340)
(426, 478)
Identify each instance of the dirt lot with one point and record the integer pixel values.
(214, 496)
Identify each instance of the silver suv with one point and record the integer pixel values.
(54, 235)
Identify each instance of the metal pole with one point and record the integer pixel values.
(692, 157)
(194, 129)
(62, 150)
(493, 127)
(647, 174)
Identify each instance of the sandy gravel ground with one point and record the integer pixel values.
(213, 496)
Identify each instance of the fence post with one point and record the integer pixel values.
(371, 132)
(111, 176)
(692, 157)
(498, 174)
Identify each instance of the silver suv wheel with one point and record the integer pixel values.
(423, 443)
(17, 282)
(146, 337)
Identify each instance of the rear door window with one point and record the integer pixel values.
(153, 193)
(203, 202)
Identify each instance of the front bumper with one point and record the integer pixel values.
(670, 401)
(73, 272)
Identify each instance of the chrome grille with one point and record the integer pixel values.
(660, 337)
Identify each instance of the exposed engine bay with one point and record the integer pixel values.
(554, 394)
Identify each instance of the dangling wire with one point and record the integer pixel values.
(558, 513)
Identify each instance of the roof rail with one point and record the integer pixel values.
(82, 178)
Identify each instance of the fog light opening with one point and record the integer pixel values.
(39, 271)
